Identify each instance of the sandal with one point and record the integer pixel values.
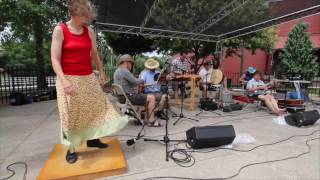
(154, 124)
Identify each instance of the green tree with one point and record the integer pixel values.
(264, 40)
(188, 14)
(3, 58)
(129, 44)
(33, 21)
(21, 55)
(298, 54)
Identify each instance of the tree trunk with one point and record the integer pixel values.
(241, 58)
(38, 36)
(267, 64)
(196, 56)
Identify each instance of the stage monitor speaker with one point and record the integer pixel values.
(303, 118)
(210, 136)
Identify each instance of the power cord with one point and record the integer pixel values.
(262, 145)
(183, 131)
(189, 159)
(13, 172)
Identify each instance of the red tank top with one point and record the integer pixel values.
(76, 52)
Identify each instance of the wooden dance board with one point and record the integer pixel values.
(92, 163)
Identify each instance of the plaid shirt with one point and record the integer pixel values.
(178, 66)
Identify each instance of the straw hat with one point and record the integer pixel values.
(151, 64)
(125, 58)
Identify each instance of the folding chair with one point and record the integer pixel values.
(125, 104)
(245, 98)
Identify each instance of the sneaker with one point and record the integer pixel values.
(96, 143)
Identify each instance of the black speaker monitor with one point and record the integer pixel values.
(210, 136)
(302, 118)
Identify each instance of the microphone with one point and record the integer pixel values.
(130, 142)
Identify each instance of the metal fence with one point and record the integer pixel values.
(314, 89)
(25, 81)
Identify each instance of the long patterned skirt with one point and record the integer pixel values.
(87, 115)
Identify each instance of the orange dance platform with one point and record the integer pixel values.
(92, 163)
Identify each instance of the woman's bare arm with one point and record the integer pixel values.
(56, 49)
(56, 46)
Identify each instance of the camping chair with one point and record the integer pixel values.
(125, 104)
(243, 96)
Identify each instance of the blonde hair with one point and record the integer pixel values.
(82, 8)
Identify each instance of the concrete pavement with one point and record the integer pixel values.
(29, 132)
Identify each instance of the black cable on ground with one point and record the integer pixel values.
(182, 158)
(187, 158)
(251, 149)
(183, 131)
(226, 114)
(13, 172)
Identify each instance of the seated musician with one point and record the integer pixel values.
(211, 75)
(205, 73)
(128, 82)
(180, 66)
(150, 77)
(258, 90)
(247, 76)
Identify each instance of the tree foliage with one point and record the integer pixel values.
(186, 15)
(264, 40)
(299, 55)
(31, 21)
(129, 44)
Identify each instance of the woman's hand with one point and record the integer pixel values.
(102, 79)
(68, 88)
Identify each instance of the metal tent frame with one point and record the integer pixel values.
(197, 33)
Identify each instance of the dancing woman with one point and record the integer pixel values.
(85, 112)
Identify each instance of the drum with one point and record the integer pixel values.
(216, 76)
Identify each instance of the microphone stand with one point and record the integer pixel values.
(182, 116)
(166, 138)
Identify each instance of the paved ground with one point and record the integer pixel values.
(28, 133)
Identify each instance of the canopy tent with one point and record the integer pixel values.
(223, 21)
